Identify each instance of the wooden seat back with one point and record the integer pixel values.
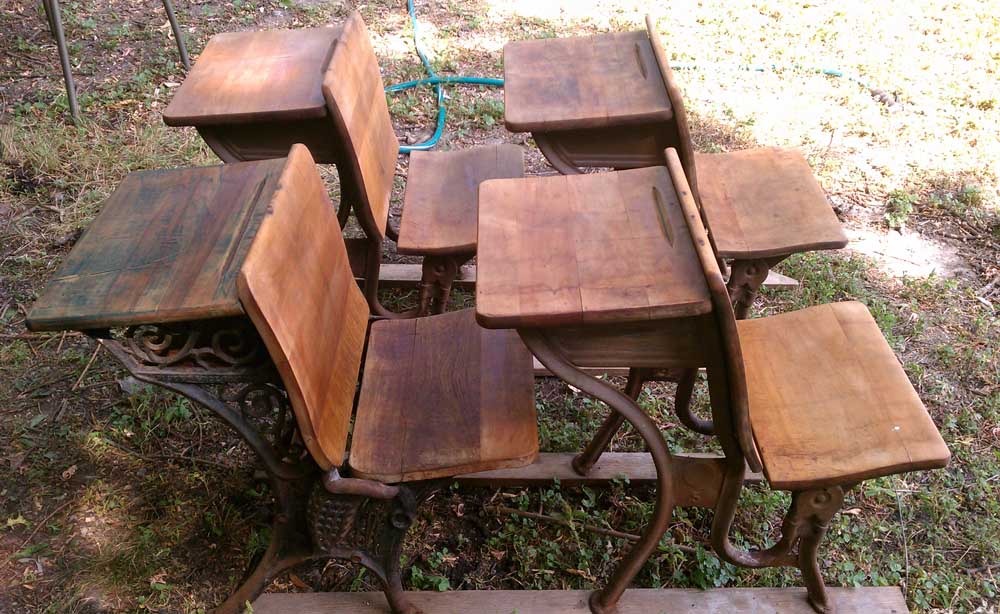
(737, 421)
(297, 287)
(678, 128)
(355, 97)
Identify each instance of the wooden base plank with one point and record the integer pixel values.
(550, 466)
(867, 600)
(408, 275)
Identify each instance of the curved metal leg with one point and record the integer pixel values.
(682, 404)
(584, 461)
(168, 7)
(555, 155)
(803, 528)
(745, 280)
(373, 267)
(221, 367)
(605, 600)
(56, 28)
(439, 273)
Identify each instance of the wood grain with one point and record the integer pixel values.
(442, 396)
(355, 97)
(829, 401)
(582, 82)
(566, 250)
(297, 287)
(868, 600)
(166, 247)
(244, 77)
(441, 202)
(765, 202)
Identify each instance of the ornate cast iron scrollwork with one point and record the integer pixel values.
(369, 531)
(231, 343)
(266, 406)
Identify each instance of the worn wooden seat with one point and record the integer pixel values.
(829, 403)
(440, 395)
(428, 407)
(440, 204)
(443, 396)
(817, 398)
(762, 203)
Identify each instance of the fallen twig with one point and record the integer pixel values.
(93, 356)
(38, 527)
(155, 457)
(25, 393)
(503, 509)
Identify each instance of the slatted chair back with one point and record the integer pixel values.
(355, 97)
(732, 354)
(679, 132)
(297, 287)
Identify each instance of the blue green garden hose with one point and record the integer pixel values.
(433, 79)
(437, 81)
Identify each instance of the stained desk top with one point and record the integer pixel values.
(585, 249)
(583, 82)
(255, 76)
(167, 246)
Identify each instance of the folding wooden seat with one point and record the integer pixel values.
(254, 94)
(760, 205)
(816, 398)
(440, 396)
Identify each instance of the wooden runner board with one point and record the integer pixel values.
(408, 275)
(866, 600)
(166, 247)
(550, 466)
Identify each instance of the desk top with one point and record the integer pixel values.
(166, 247)
(255, 76)
(585, 249)
(583, 82)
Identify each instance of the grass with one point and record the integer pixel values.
(137, 501)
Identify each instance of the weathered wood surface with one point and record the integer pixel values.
(167, 246)
(244, 77)
(873, 600)
(582, 82)
(297, 287)
(441, 202)
(442, 396)
(355, 96)
(829, 401)
(566, 250)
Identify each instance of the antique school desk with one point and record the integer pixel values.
(154, 280)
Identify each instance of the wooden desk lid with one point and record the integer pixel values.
(580, 249)
(255, 76)
(167, 246)
(582, 82)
